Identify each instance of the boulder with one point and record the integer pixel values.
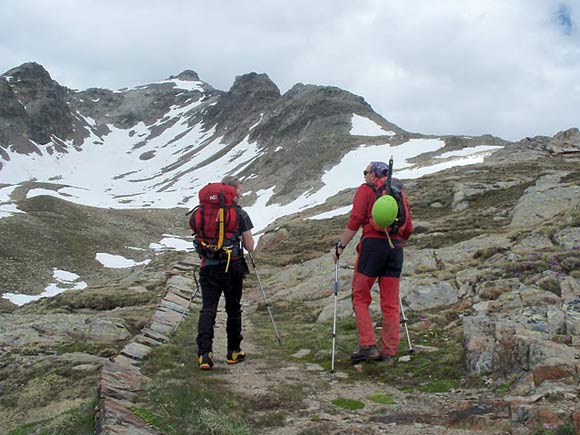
(427, 293)
(565, 142)
(544, 201)
(568, 238)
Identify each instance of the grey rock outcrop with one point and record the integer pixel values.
(545, 200)
(565, 142)
(425, 294)
(187, 75)
(44, 101)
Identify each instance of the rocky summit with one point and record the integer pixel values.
(490, 286)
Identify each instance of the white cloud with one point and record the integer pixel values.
(448, 67)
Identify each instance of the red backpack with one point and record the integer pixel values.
(214, 221)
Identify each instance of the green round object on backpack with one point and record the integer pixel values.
(385, 211)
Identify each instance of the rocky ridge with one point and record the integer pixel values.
(308, 125)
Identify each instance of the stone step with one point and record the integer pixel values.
(184, 267)
(149, 333)
(177, 298)
(116, 418)
(182, 293)
(137, 351)
(172, 306)
(166, 317)
(147, 341)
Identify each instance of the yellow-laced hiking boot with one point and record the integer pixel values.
(205, 361)
(235, 356)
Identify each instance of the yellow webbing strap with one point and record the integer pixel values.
(227, 250)
(221, 228)
(229, 254)
(389, 238)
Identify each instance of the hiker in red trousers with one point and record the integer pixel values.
(379, 255)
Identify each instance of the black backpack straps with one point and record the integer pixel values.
(201, 220)
(378, 190)
(397, 193)
(397, 184)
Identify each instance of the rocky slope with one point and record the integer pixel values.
(491, 287)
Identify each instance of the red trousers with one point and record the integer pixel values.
(361, 299)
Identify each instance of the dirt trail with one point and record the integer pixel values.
(286, 394)
(274, 383)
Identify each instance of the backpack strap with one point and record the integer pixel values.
(221, 224)
(201, 229)
(379, 190)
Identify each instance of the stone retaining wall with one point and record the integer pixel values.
(121, 380)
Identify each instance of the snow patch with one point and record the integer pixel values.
(330, 214)
(63, 281)
(362, 126)
(118, 261)
(183, 84)
(467, 151)
(172, 243)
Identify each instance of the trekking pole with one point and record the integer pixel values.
(334, 318)
(404, 322)
(188, 304)
(265, 299)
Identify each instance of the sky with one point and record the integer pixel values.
(510, 68)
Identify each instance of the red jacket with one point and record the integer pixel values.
(362, 206)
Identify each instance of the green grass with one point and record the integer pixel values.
(182, 399)
(431, 372)
(439, 386)
(146, 415)
(77, 421)
(565, 429)
(428, 372)
(383, 399)
(348, 403)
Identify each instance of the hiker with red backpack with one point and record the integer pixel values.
(379, 255)
(221, 230)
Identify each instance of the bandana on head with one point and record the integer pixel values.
(380, 169)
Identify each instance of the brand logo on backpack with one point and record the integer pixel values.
(214, 222)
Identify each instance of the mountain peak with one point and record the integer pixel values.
(254, 82)
(29, 71)
(187, 75)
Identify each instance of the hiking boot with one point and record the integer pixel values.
(388, 360)
(205, 361)
(365, 353)
(235, 356)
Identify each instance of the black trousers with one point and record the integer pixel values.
(214, 280)
(377, 258)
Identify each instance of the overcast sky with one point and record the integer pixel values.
(505, 67)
